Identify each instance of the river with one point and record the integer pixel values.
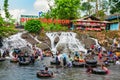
(12, 71)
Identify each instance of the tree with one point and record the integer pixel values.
(65, 9)
(86, 7)
(33, 26)
(114, 6)
(1, 21)
(7, 14)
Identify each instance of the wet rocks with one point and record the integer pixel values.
(28, 38)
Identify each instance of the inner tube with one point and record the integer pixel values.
(47, 55)
(78, 64)
(2, 59)
(92, 65)
(24, 63)
(13, 60)
(91, 61)
(44, 74)
(99, 71)
(110, 61)
(53, 62)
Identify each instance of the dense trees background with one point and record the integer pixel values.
(72, 9)
(64, 9)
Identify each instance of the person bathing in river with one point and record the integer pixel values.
(89, 70)
(105, 68)
(117, 62)
(64, 61)
(57, 60)
(76, 56)
(100, 56)
(69, 62)
(32, 58)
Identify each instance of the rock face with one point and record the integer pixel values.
(26, 50)
(45, 45)
(86, 40)
(28, 38)
(1, 42)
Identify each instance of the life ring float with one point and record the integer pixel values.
(111, 61)
(44, 74)
(2, 59)
(53, 62)
(92, 65)
(78, 64)
(14, 60)
(91, 61)
(99, 71)
(24, 63)
(81, 60)
(118, 54)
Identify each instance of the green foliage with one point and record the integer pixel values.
(33, 26)
(101, 14)
(1, 21)
(54, 27)
(65, 9)
(115, 7)
(86, 7)
(7, 15)
(7, 31)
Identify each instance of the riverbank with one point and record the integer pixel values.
(105, 38)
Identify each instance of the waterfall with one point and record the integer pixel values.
(96, 42)
(66, 39)
(14, 41)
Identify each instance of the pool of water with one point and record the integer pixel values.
(12, 71)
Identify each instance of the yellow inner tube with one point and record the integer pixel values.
(118, 54)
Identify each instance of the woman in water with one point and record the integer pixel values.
(105, 68)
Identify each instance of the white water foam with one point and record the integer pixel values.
(14, 41)
(66, 39)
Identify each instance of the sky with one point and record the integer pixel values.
(25, 7)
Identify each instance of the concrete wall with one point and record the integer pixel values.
(114, 26)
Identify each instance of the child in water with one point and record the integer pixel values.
(89, 70)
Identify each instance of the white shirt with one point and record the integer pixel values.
(118, 62)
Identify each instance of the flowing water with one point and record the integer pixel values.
(12, 71)
(66, 40)
(14, 41)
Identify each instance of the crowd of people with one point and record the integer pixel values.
(65, 59)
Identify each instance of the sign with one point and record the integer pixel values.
(29, 16)
(40, 13)
(44, 20)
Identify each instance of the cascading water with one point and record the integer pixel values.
(98, 45)
(66, 39)
(52, 37)
(14, 41)
(96, 42)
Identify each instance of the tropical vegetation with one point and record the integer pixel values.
(33, 26)
(65, 9)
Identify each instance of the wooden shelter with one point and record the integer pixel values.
(90, 23)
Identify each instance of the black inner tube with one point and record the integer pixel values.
(99, 71)
(1, 41)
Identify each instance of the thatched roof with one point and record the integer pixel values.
(91, 17)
